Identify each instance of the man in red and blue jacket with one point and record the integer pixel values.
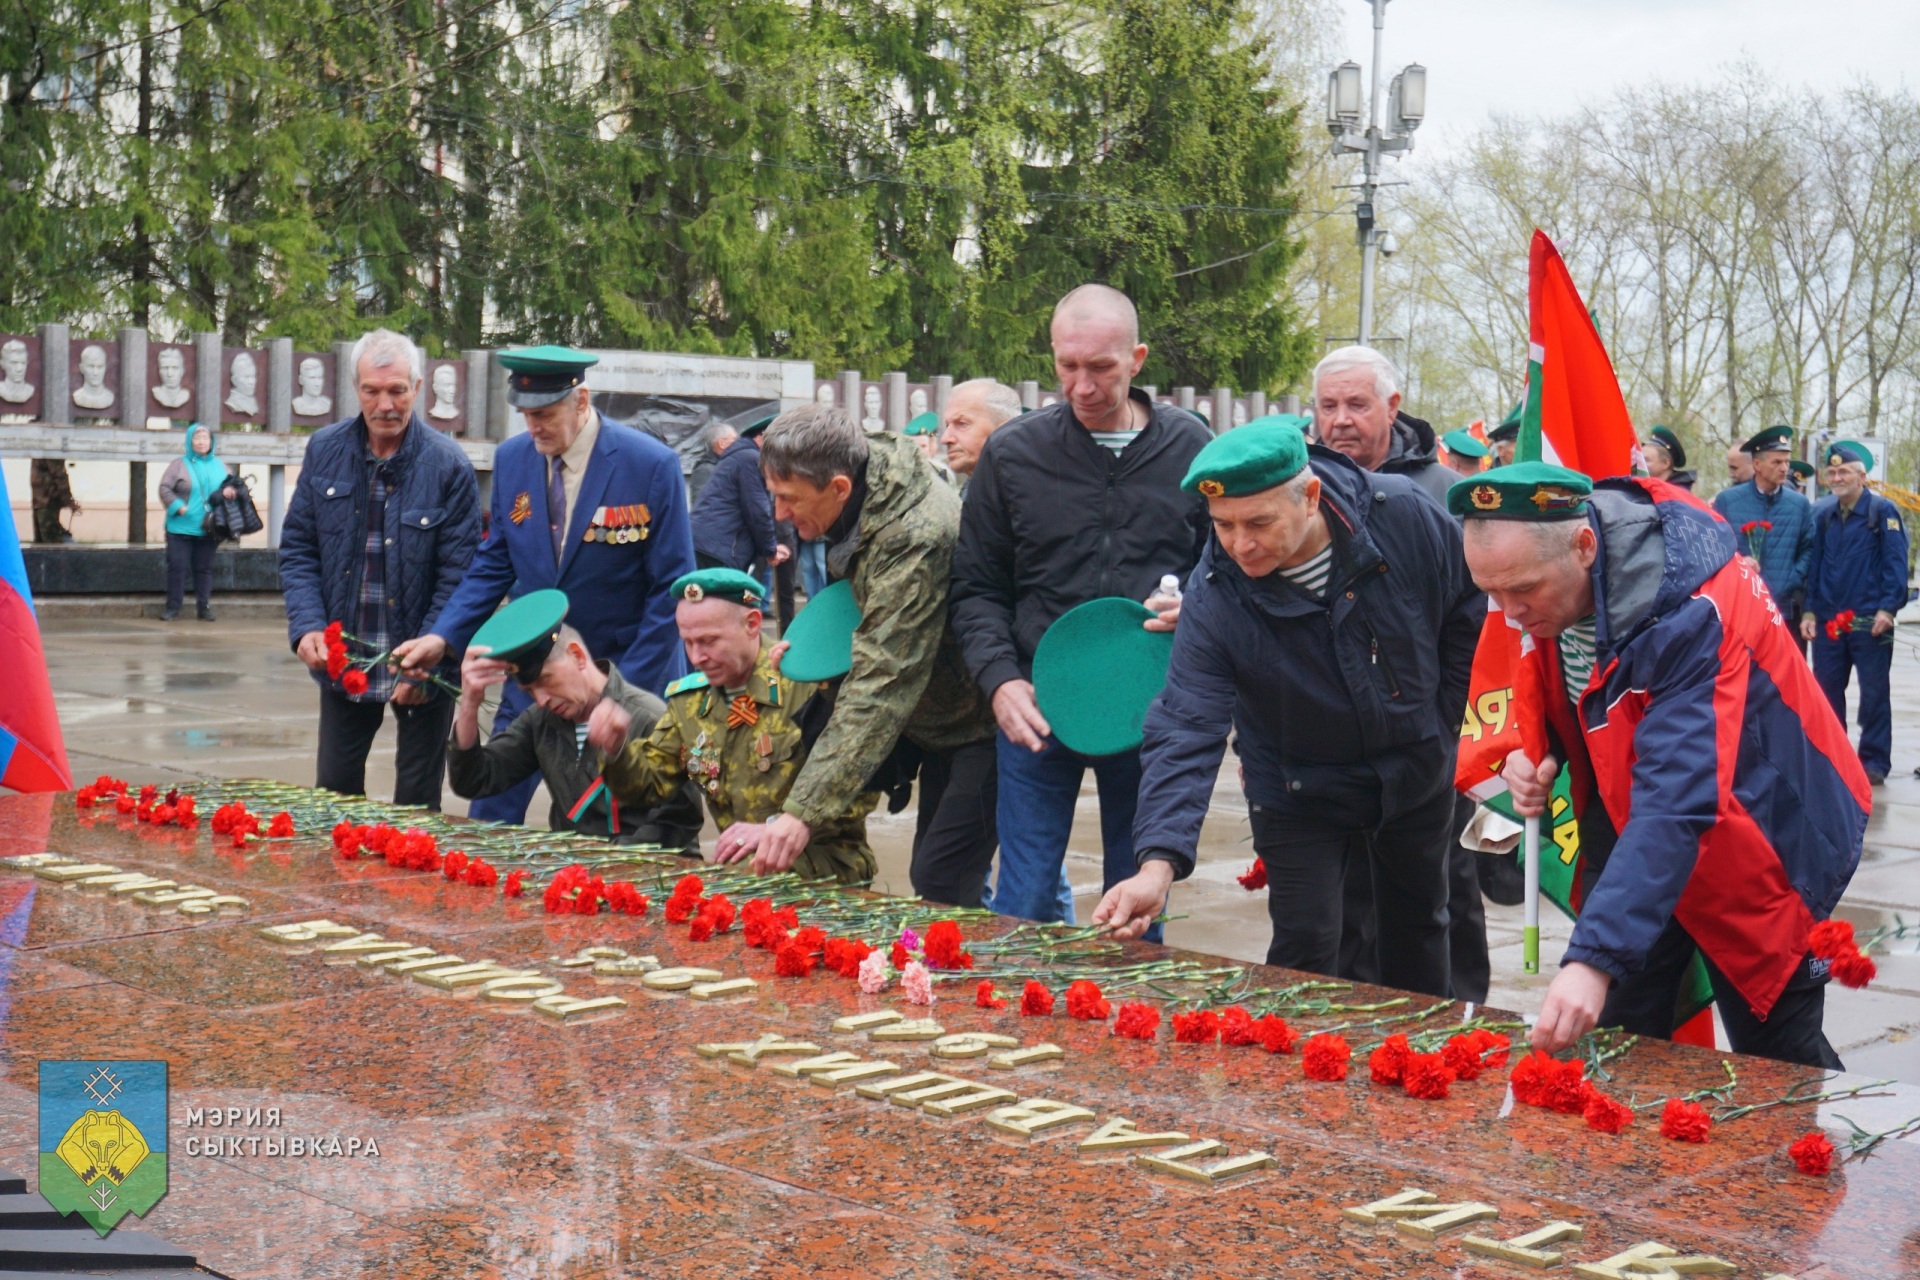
(1720, 804)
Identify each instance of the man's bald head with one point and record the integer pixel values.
(1102, 305)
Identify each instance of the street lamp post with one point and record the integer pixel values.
(1406, 107)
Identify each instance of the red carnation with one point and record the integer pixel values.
(354, 683)
(1427, 1076)
(333, 632)
(1254, 878)
(515, 886)
(1606, 1114)
(1812, 1154)
(84, 798)
(843, 955)
(1237, 1027)
(456, 862)
(984, 997)
(622, 896)
(941, 945)
(1035, 1000)
(125, 804)
(1855, 970)
(1085, 1002)
(898, 955)
(281, 826)
(1388, 1063)
(813, 938)
(1684, 1121)
(1831, 938)
(1137, 1022)
(1199, 1026)
(1567, 1089)
(793, 961)
(481, 874)
(1474, 1051)
(1277, 1035)
(1325, 1057)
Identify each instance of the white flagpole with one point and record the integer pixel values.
(1530, 934)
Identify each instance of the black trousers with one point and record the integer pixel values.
(1308, 868)
(186, 553)
(1793, 1031)
(1466, 913)
(955, 834)
(419, 758)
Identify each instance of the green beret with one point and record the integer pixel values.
(538, 376)
(719, 584)
(1248, 459)
(1773, 439)
(522, 632)
(1535, 491)
(1664, 437)
(925, 424)
(1845, 451)
(1463, 443)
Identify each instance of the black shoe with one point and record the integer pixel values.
(1877, 777)
(169, 615)
(206, 614)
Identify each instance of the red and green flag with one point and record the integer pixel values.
(1573, 415)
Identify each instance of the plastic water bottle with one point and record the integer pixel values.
(1169, 589)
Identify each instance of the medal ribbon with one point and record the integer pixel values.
(743, 711)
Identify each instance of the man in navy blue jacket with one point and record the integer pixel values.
(383, 521)
(1858, 567)
(733, 516)
(1773, 519)
(592, 507)
(1330, 625)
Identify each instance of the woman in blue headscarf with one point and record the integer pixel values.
(191, 481)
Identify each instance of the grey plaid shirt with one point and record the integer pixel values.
(371, 624)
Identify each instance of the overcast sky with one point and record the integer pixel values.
(1552, 56)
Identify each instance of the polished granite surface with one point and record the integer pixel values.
(511, 1145)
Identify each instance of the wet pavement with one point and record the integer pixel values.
(157, 701)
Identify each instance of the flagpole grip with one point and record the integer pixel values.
(1530, 934)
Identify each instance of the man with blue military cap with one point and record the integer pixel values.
(592, 507)
(1856, 583)
(1773, 520)
(1330, 627)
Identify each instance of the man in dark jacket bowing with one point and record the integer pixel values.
(1331, 626)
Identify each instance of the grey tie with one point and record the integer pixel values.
(557, 507)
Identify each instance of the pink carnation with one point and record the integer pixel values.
(917, 983)
(873, 973)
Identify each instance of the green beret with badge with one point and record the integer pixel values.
(539, 376)
(1772, 440)
(1664, 437)
(522, 632)
(1250, 459)
(1463, 443)
(1844, 451)
(719, 584)
(1533, 491)
(925, 424)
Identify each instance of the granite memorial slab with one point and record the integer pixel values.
(463, 1082)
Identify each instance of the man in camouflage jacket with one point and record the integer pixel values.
(907, 706)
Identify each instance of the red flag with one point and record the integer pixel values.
(1572, 392)
(32, 754)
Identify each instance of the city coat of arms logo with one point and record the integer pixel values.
(103, 1138)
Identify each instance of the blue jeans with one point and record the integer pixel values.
(813, 567)
(1871, 659)
(1038, 792)
(510, 805)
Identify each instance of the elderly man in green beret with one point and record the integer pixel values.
(1330, 627)
(739, 731)
(1720, 806)
(530, 641)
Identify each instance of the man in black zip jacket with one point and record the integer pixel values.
(1331, 626)
(1071, 503)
